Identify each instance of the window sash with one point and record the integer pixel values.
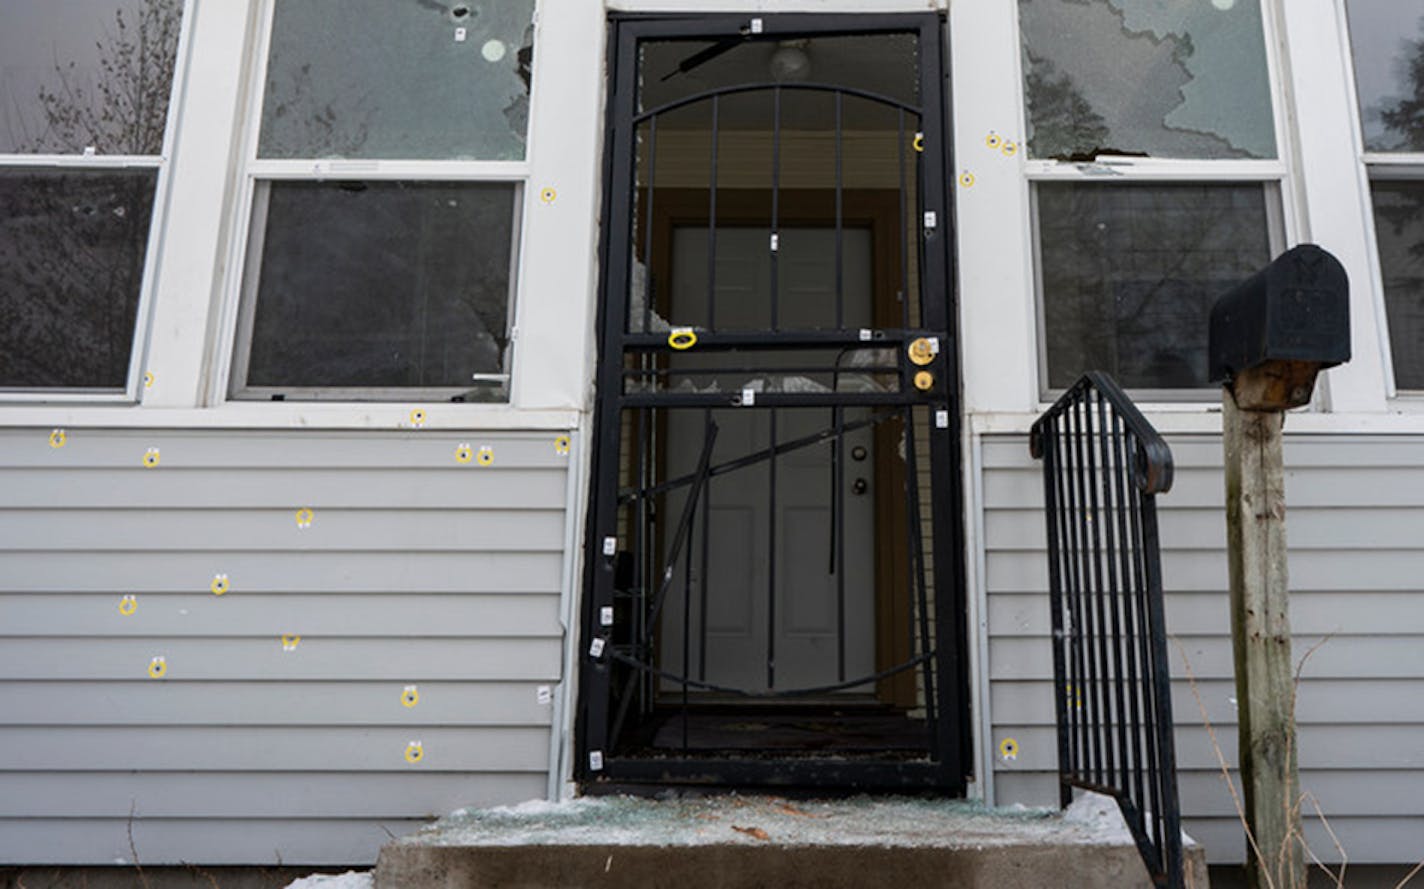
(1402, 167)
(247, 237)
(134, 382)
(249, 274)
(1276, 239)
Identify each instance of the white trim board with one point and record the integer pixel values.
(290, 415)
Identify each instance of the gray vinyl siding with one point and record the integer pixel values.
(1356, 530)
(416, 570)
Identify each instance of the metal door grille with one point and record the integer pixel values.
(666, 393)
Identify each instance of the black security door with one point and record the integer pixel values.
(775, 593)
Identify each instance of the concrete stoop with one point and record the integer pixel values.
(736, 842)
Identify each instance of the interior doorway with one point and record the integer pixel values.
(775, 588)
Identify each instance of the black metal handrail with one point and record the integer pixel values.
(1103, 465)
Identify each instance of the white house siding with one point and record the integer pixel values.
(416, 570)
(1355, 523)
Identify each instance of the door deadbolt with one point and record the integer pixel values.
(858, 453)
(924, 381)
(922, 351)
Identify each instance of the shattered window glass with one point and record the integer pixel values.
(398, 79)
(1387, 37)
(1152, 78)
(1399, 228)
(77, 75)
(1130, 272)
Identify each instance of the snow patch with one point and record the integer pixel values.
(540, 808)
(1097, 812)
(350, 880)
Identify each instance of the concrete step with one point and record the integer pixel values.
(736, 842)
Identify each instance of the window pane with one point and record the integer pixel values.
(382, 284)
(885, 64)
(1387, 39)
(1129, 274)
(1399, 228)
(71, 265)
(77, 74)
(1146, 77)
(409, 79)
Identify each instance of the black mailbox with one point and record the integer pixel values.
(1292, 317)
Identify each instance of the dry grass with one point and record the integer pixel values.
(1295, 800)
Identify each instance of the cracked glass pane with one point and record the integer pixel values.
(86, 74)
(1130, 272)
(1387, 39)
(398, 79)
(341, 302)
(1399, 228)
(1152, 78)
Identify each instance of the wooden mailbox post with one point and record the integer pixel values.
(1269, 338)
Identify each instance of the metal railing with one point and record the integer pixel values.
(1103, 465)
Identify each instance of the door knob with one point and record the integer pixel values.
(859, 486)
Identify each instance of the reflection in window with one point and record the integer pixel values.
(884, 64)
(1129, 274)
(380, 284)
(1387, 37)
(71, 263)
(81, 74)
(1399, 229)
(409, 79)
(1144, 77)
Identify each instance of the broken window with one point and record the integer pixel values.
(86, 88)
(415, 79)
(407, 287)
(380, 253)
(1133, 253)
(1387, 39)
(1148, 78)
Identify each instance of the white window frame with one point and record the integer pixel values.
(238, 303)
(1401, 165)
(153, 248)
(1275, 174)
